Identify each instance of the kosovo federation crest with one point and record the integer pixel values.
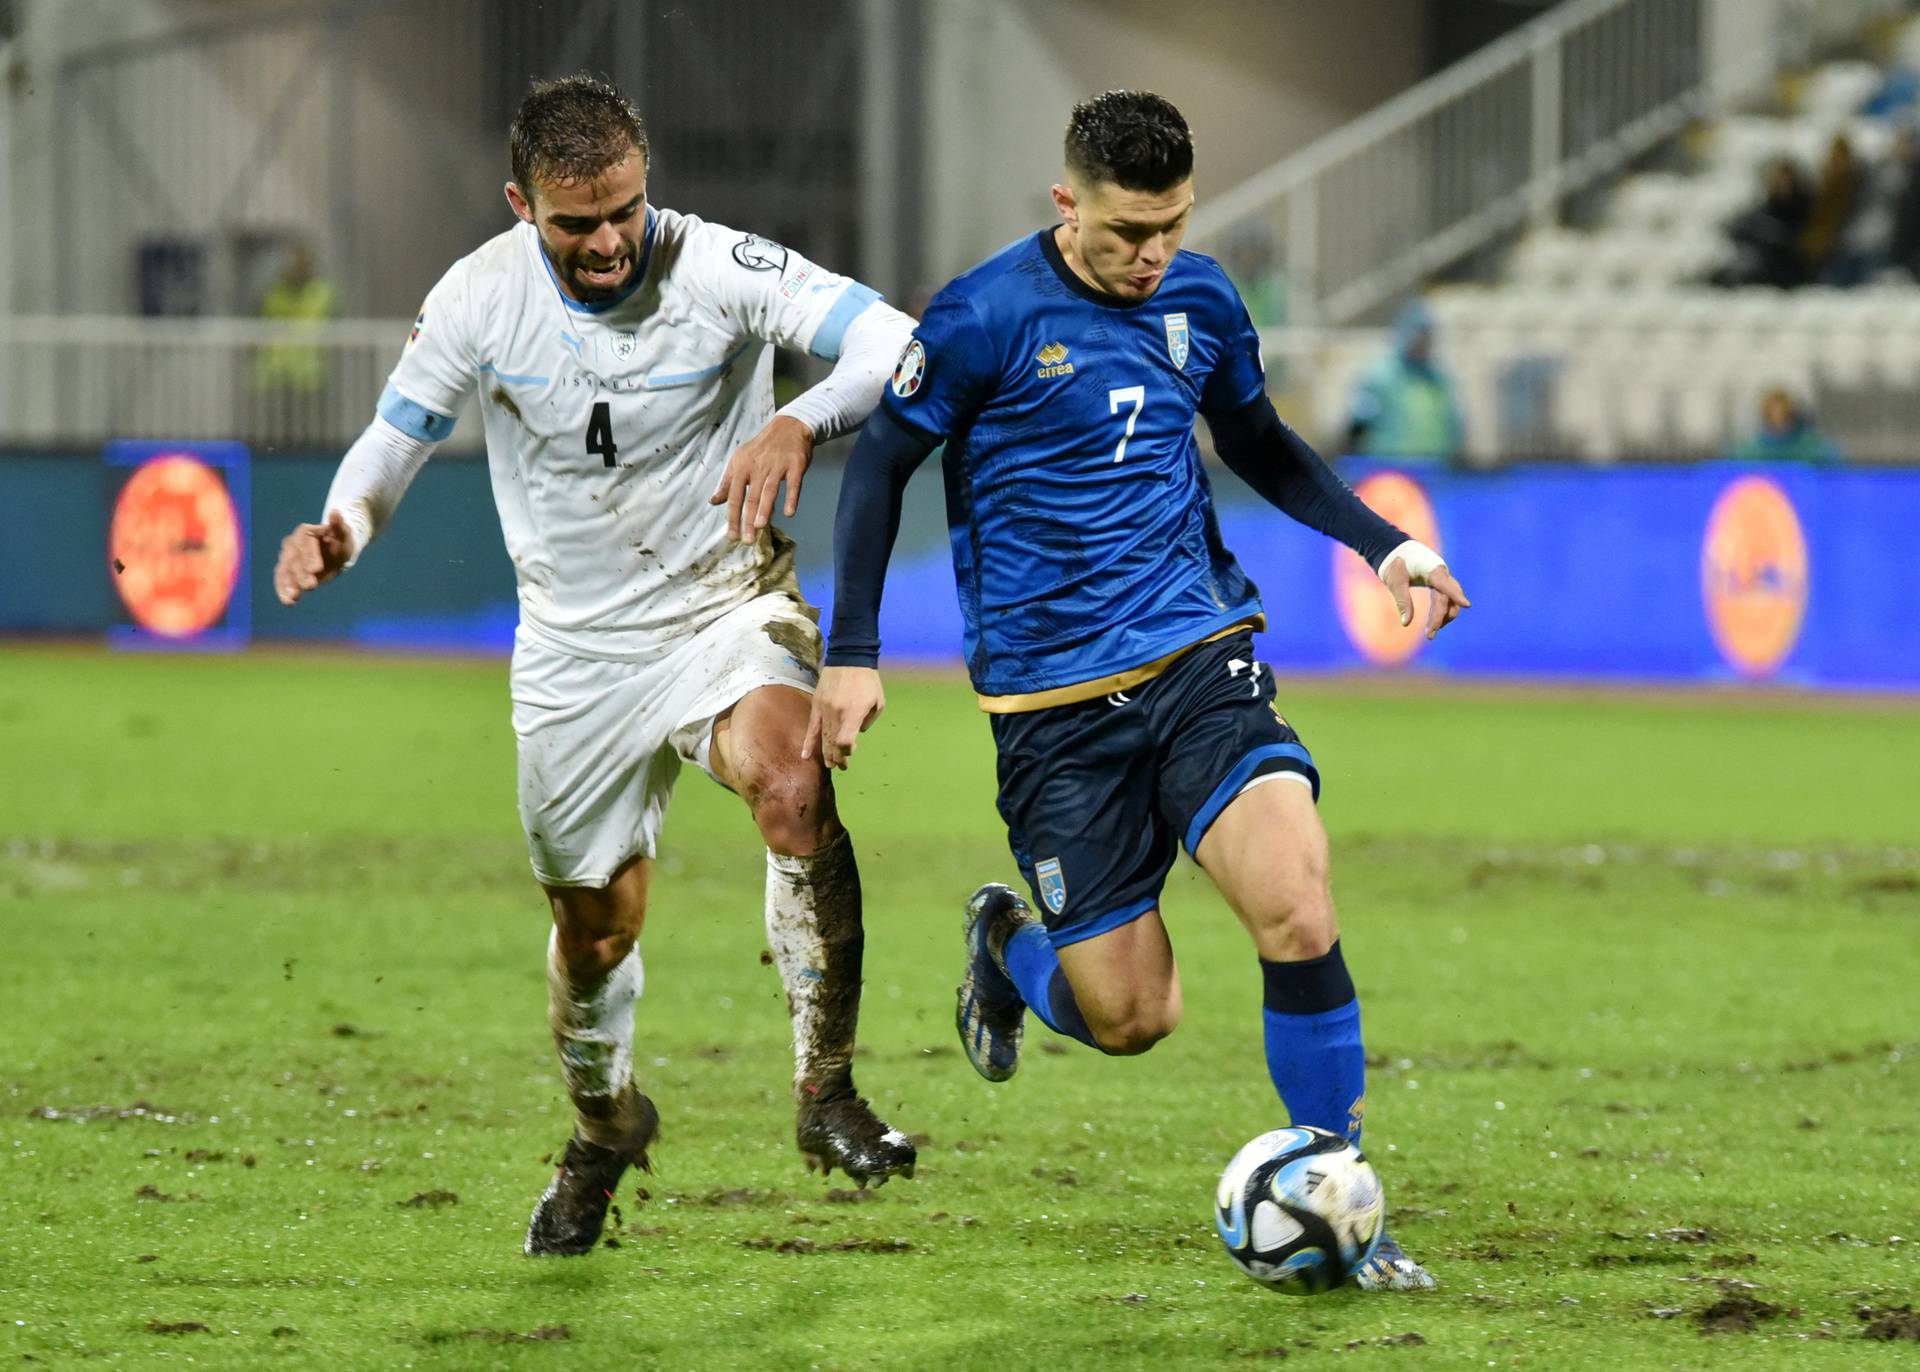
(1177, 339)
(1053, 886)
(623, 345)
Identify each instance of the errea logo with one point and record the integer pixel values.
(1053, 361)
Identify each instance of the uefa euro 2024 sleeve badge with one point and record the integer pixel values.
(1177, 339)
(1053, 885)
(913, 365)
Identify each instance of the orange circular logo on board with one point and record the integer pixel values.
(1366, 606)
(1753, 575)
(175, 546)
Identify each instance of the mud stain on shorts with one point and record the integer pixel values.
(800, 642)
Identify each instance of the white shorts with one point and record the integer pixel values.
(600, 743)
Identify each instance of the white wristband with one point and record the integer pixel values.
(1421, 561)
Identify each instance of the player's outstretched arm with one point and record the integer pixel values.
(845, 704)
(849, 697)
(1280, 465)
(1412, 564)
(310, 556)
(838, 405)
(373, 476)
(781, 452)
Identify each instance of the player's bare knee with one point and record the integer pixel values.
(1130, 1038)
(1294, 917)
(595, 933)
(1298, 928)
(792, 805)
(1136, 1030)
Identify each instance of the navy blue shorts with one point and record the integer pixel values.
(1099, 796)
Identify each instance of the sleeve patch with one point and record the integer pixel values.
(759, 254)
(799, 270)
(911, 370)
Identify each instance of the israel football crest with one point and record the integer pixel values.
(623, 345)
(1053, 886)
(1177, 339)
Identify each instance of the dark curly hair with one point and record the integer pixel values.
(1134, 139)
(572, 130)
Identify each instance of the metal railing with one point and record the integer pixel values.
(68, 380)
(1450, 166)
(1602, 384)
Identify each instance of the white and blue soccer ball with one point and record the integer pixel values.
(1299, 1210)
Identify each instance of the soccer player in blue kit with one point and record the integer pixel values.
(1108, 629)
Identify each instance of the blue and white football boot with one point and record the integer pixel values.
(991, 1014)
(1390, 1269)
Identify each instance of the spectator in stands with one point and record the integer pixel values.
(1766, 238)
(1256, 273)
(299, 297)
(1405, 405)
(1867, 248)
(1786, 434)
(1833, 208)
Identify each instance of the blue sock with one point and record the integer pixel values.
(1035, 969)
(1314, 1053)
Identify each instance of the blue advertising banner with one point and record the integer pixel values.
(1710, 572)
(1705, 572)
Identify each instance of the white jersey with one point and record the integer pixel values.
(609, 427)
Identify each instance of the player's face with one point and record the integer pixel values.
(1122, 241)
(591, 231)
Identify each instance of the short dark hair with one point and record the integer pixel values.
(572, 130)
(1135, 139)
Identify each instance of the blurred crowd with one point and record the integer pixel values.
(1851, 223)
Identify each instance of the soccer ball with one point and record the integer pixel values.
(1299, 1210)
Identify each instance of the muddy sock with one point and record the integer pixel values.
(813, 930)
(1033, 966)
(1314, 1054)
(593, 1029)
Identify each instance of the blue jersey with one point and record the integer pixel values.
(1084, 538)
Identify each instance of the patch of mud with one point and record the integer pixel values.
(806, 1245)
(1898, 1323)
(1735, 1314)
(429, 1200)
(150, 1192)
(177, 1327)
(548, 1333)
(801, 644)
(742, 1196)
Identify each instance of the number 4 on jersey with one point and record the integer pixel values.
(600, 434)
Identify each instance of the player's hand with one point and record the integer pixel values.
(311, 554)
(845, 705)
(1446, 602)
(779, 452)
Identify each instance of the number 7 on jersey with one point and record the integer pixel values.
(1122, 395)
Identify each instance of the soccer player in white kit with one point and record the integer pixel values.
(623, 358)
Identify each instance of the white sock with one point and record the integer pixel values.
(594, 1032)
(813, 929)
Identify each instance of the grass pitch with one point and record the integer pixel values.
(1639, 980)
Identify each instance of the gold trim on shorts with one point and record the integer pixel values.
(1107, 685)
